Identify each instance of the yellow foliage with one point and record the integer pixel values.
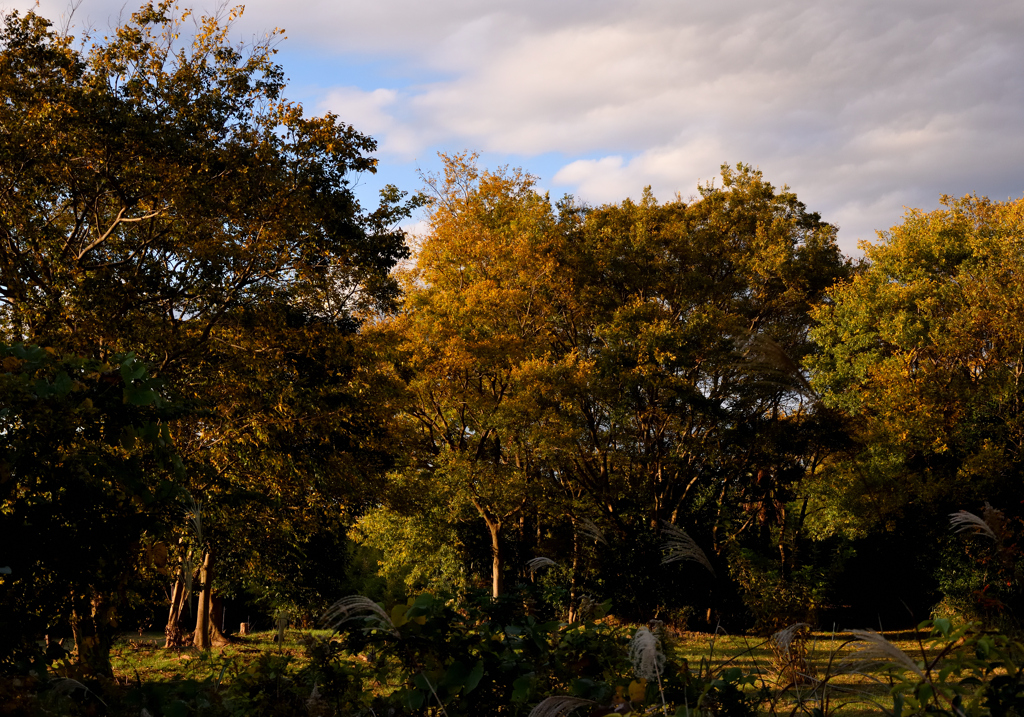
(638, 690)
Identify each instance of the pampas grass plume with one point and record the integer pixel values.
(538, 563)
(646, 655)
(588, 528)
(356, 607)
(559, 706)
(963, 521)
(680, 546)
(877, 652)
(782, 638)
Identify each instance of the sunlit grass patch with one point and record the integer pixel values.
(831, 685)
(143, 657)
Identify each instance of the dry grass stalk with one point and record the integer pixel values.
(680, 546)
(876, 653)
(559, 706)
(538, 563)
(964, 521)
(588, 529)
(356, 607)
(789, 654)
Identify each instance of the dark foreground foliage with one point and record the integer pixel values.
(477, 656)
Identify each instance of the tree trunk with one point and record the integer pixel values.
(217, 637)
(574, 581)
(494, 527)
(783, 561)
(175, 636)
(91, 626)
(201, 637)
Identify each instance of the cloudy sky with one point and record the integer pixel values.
(861, 106)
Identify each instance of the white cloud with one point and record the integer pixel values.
(861, 106)
(366, 110)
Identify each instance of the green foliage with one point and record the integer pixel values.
(775, 600)
(89, 478)
(413, 552)
(982, 576)
(922, 350)
(484, 656)
(775, 597)
(963, 671)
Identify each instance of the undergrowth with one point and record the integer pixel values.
(477, 656)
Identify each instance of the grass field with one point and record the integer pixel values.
(827, 684)
(143, 657)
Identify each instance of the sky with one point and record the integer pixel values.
(862, 107)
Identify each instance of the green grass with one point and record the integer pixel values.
(848, 694)
(143, 659)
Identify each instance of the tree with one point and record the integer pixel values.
(924, 350)
(680, 328)
(627, 365)
(170, 201)
(472, 318)
(152, 194)
(88, 482)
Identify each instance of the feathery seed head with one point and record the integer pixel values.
(646, 655)
(588, 529)
(356, 607)
(559, 706)
(963, 521)
(877, 652)
(194, 515)
(538, 563)
(784, 637)
(680, 546)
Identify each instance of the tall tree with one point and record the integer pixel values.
(630, 364)
(168, 200)
(474, 315)
(680, 328)
(924, 349)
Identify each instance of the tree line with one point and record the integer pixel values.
(223, 377)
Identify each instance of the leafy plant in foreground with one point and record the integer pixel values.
(485, 656)
(962, 671)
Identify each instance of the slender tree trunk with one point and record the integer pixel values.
(574, 581)
(718, 519)
(201, 637)
(497, 557)
(175, 636)
(794, 552)
(91, 627)
(494, 527)
(783, 558)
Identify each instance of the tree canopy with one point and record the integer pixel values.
(923, 350)
(162, 197)
(623, 365)
(217, 374)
